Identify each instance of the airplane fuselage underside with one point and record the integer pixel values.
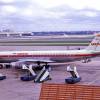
(43, 59)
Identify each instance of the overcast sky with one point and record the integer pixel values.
(50, 15)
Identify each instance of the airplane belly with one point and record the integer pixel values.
(55, 59)
(65, 59)
(10, 59)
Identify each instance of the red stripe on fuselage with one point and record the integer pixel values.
(69, 55)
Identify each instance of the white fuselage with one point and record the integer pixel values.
(60, 56)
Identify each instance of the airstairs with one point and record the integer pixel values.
(41, 76)
(30, 76)
(74, 75)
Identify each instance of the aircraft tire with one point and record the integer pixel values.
(1, 66)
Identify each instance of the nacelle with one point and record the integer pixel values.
(16, 64)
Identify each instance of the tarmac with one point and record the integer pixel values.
(13, 88)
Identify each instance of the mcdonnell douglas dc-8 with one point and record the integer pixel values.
(46, 57)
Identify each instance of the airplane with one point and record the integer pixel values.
(18, 58)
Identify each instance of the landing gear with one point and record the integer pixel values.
(8, 66)
(1, 66)
(86, 60)
(5, 65)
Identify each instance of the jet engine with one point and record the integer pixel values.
(16, 65)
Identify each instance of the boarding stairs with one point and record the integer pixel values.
(74, 75)
(42, 76)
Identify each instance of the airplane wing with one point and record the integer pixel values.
(36, 60)
(20, 62)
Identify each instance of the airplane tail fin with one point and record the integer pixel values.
(95, 44)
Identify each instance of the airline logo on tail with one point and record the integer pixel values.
(95, 44)
(96, 40)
